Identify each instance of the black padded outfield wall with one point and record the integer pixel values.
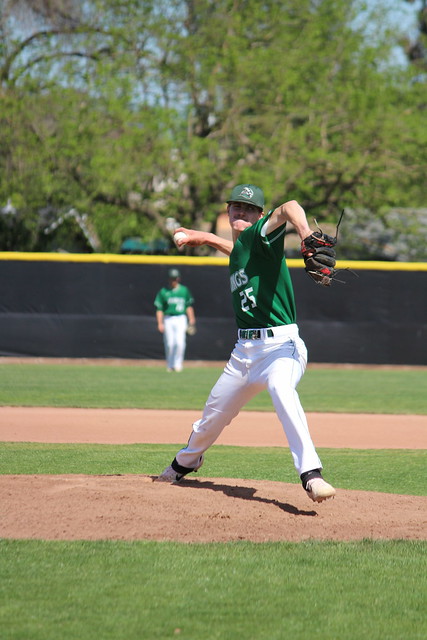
(105, 310)
(102, 307)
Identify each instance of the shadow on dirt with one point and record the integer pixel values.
(244, 493)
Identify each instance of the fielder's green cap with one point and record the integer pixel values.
(248, 193)
(174, 273)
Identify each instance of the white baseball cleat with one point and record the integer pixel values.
(319, 490)
(169, 475)
(173, 476)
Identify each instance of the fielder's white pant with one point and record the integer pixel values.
(276, 364)
(174, 339)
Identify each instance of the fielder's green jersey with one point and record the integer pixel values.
(260, 281)
(173, 302)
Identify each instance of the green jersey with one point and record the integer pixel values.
(173, 302)
(260, 281)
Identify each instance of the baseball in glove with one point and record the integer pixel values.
(319, 255)
(191, 330)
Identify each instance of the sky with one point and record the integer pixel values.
(403, 15)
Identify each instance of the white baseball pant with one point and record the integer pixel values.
(276, 364)
(174, 338)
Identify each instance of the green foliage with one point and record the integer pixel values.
(131, 112)
(359, 390)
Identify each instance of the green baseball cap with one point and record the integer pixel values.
(248, 193)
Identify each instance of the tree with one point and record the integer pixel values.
(396, 238)
(71, 135)
(291, 94)
(132, 112)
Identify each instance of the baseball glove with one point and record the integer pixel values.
(319, 257)
(191, 330)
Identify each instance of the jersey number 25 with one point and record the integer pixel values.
(248, 301)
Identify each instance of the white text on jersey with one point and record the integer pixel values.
(238, 279)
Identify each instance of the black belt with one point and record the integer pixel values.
(255, 334)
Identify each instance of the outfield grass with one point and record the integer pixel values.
(393, 391)
(154, 591)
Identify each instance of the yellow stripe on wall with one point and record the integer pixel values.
(110, 258)
(198, 261)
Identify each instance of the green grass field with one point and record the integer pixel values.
(376, 470)
(153, 590)
(156, 590)
(339, 390)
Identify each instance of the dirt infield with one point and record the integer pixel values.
(201, 509)
(250, 428)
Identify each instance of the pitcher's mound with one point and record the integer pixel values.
(135, 507)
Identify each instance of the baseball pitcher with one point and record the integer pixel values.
(269, 352)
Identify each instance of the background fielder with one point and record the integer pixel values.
(175, 317)
(269, 353)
